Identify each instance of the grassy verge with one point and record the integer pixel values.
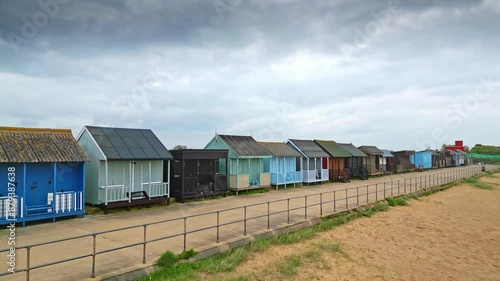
(172, 269)
(474, 181)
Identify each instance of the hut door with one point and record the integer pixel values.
(190, 177)
(136, 175)
(39, 185)
(255, 170)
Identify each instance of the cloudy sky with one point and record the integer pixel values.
(395, 74)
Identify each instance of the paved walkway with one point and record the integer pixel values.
(107, 263)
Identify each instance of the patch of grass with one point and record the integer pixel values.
(332, 247)
(180, 272)
(313, 255)
(367, 213)
(391, 201)
(474, 181)
(238, 278)
(380, 208)
(290, 266)
(489, 174)
(260, 245)
(224, 262)
(168, 259)
(411, 196)
(187, 254)
(373, 210)
(297, 236)
(398, 201)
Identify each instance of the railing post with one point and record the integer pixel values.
(376, 192)
(268, 219)
(288, 210)
(93, 254)
(245, 220)
(28, 259)
(384, 190)
(218, 225)
(399, 192)
(367, 191)
(346, 200)
(321, 204)
(392, 188)
(357, 196)
(334, 201)
(305, 207)
(404, 186)
(144, 246)
(185, 233)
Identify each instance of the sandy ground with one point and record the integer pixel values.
(451, 235)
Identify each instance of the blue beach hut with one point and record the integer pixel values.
(315, 161)
(44, 175)
(425, 159)
(286, 164)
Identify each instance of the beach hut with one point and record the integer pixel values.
(386, 160)
(248, 162)
(373, 156)
(197, 173)
(442, 159)
(356, 163)
(126, 167)
(402, 161)
(314, 161)
(451, 157)
(461, 157)
(468, 159)
(425, 159)
(337, 159)
(43, 175)
(286, 164)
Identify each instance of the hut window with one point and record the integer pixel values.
(221, 166)
(244, 165)
(267, 165)
(177, 169)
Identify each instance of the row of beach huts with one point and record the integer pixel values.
(47, 173)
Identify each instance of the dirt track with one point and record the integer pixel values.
(451, 235)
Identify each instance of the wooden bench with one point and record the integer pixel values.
(137, 198)
(38, 209)
(137, 195)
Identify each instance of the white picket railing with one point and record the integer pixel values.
(9, 207)
(156, 189)
(324, 174)
(116, 193)
(69, 201)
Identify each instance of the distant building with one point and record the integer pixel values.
(459, 145)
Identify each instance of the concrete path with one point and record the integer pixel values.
(109, 263)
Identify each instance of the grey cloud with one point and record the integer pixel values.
(270, 67)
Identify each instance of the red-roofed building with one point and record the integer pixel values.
(459, 145)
